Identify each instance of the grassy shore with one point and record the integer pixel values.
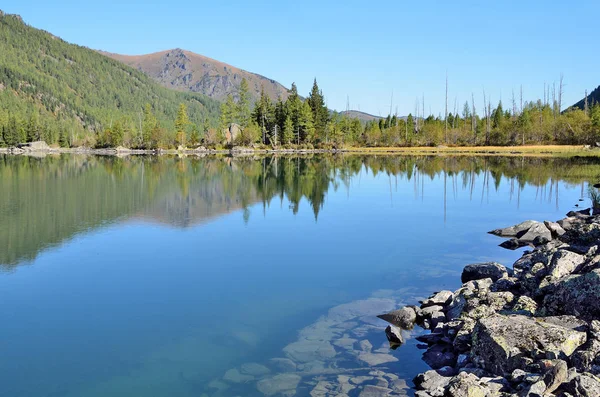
(532, 150)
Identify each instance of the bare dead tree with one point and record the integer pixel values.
(514, 105)
(521, 98)
(473, 119)
(446, 111)
(487, 133)
(560, 93)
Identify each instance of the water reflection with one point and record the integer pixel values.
(46, 201)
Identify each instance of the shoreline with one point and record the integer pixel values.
(529, 330)
(525, 151)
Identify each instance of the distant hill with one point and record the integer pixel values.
(593, 98)
(362, 116)
(186, 71)
(78, 89)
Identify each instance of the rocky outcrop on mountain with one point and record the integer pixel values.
(186, 71)
(532, 330)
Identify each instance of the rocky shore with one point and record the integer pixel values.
(41, 148)
(532, 330)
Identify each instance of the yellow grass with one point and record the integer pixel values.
(532, 150)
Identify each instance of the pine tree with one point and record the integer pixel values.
(288, 131)
(243, 106)
(11, 135)
(306, 123)
(195, 135)
(181, 123)
(319, 110)
(148, 125)
(293, 106)
(228, 109)
(33, 129)
(62, 138)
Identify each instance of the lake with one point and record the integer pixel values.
(219, 276)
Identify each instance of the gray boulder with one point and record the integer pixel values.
(478, 271)
(441, 298)
(584, 385)
(432, 382)
(404, 318)
(514, 231)
(575, 295)
(394, 336)
(467, 385)
(503, 343)
(564, 263)
(539, 230)
(555, 228)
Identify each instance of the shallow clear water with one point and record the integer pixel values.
(148, 276)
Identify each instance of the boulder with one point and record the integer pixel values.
(404, 318)
(539, 230)
(503, 343)
(513, 244)
(467, 385)
(564, 263)
(555, 228)
(556, 376)
(432, 382)
(575, 295)
(478, 271)
(514, 231)
(394, 336)
(442, 298)
(584, 385)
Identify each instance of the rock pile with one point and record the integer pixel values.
(529, 331)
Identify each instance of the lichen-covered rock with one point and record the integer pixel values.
(479, 271)
(555, 228)
(394, 336)
(575, 295)
(467, 385)
(432, 382)
(499, 300)
(502, 343)
(564, 263)
(584, 385)
(539, 230)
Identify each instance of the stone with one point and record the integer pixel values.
(575, 295)
(366, 346)
(234, 376)
(479, 271)
(498, 300)
(255, 369)
(283, 364)
(466, 385)
(374, 391)
(555, 228)
(442, 298)
(537, 230)
(285, 384)
(514, 231)
(394, 335)
(404, 318)
(501, 343)
(525, 305)
(556, 376)
(309, 350)
(374, 359)
(564, 263)
(585, 357)
(513, 244)
(584, 385)
(439, 356)
(432, 382)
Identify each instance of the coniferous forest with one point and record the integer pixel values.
(72, 96)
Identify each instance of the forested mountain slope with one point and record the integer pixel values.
(55, 90)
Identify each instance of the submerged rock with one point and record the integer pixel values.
(514, 231)
(284, 384)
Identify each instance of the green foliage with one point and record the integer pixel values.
(48, 84)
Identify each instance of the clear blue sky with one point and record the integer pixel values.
(357, 49)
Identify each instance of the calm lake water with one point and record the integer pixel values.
(146, 276)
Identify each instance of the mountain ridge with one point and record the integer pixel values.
(185, 70)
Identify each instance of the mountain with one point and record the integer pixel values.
(362, 116)
(71, 88)
(186, 71)
(593, 98)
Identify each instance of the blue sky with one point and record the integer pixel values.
(356, 49)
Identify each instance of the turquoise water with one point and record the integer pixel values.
(147, 276)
